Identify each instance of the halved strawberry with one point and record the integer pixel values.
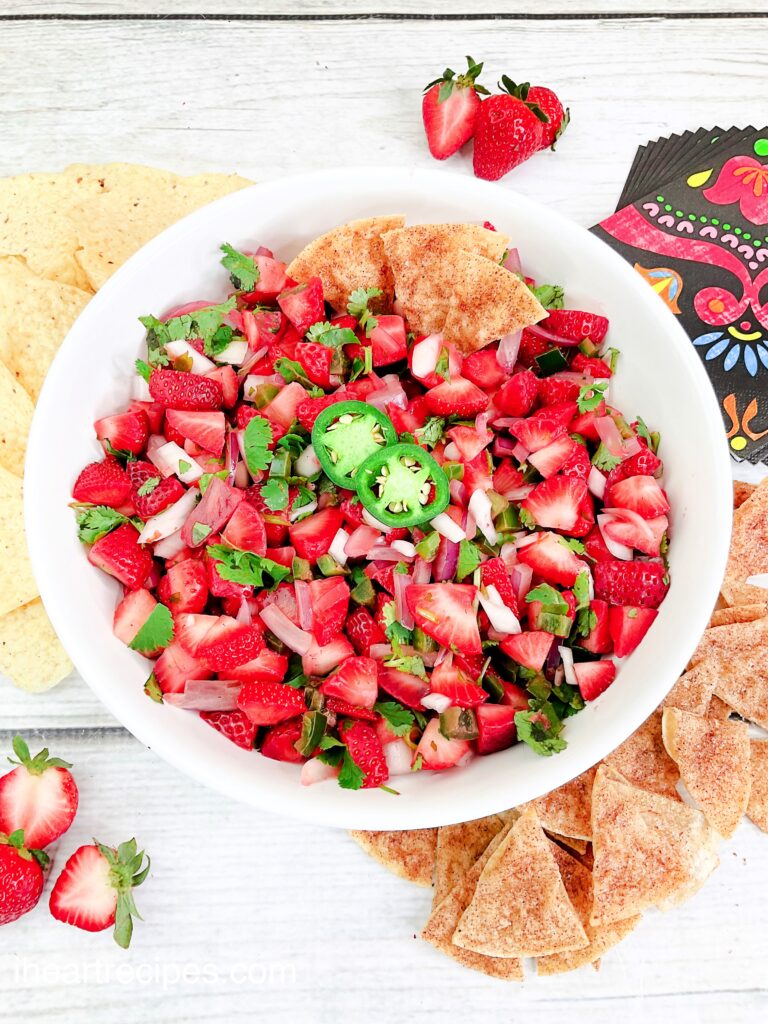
(461, 691)
(405, 687)
(329, 599)
(643, 584)
(598, 640)
(437, 752)
(316, 361)
(246, 529)
(446, 612)
(449, 110)
(457, 397)
(555, 503)
(483, 369)
(279, 743)
(366, 751)
(175, 666)
(640, 494)
(230, 386)
(303, 305)
(388, 339)
(494, 572)
(363, 630)
(628, 626)
(39, 796)
(206, 429)
(120, 555)
(230, 643)
(518, 395)
(313, 536)
(551, 459)
(496, 727)
(528, 649)
(576, 324)
(131, 614)
(319, 661)
(184, 588)
(595, 367)
(127, 431)
(102, 483)
(635, 532)
(235, 725)
(268, 666)
(213, 511)
(594, 677)
(355, 682)
(267, 703)
(551, 559)
(178, 389)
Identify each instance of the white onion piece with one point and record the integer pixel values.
(242, 476)
(168, 458)
(398, 756)
(155, 441)
(760, 579)
(518, 493)
(443, 654)
(388, 553)
(617, 550)
(567, 655)
(338, 544)
(632, 446)
(279, 623)
(447, 528)
(304, 510)
(169, 546)
(314, 770)
(509, 346)
(206, 695)
(372, 521)
(391, 393)
(436, 702)
(452, 452)
(140, 389)
(526, 539)
(609, 434)
(501, 618)
(458, 491)
(380, 651)
(508, 554)
(200, 363)
(596, 482)
(303, 604)
(520, 452)
(401, 582)
(522, 577)
(408, 550)
(255, 380)
(422, 571)
(244, 612)
(424, 356)
(169, 520)
(235, 353)
(307, 463)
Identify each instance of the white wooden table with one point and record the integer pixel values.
(256, 918)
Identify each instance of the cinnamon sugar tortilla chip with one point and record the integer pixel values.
(458, 847)
(425, 260)
(719, 709)
(17, 584)
(735, 593)
(693, 690)
(713, 758)
(487, 302)
(578, 884)
(757, 808)
(743, 683)
(409, 854)
(578, 846)
(445, 916)
(643, 761)
(649, 850)
(516, 910)
(731, 640)
(740, 613)
(348, 257)
(741, 491)
(15, 418)
(30, 653)
(567, 810)
(749, 540)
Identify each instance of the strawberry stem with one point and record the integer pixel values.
(39, 763)
(467, 80)
(128, 870)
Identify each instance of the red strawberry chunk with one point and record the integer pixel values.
(576, 324)
(283, 408)
(578, 464)
(640, 494)
(162, 492)
(175, 666)
(446, 612)
(206, 429)
(528, 649)
(595, 547)
(551, 459)
(382, 573)
(319, 661)
(545, 426)
(642, 463)
(366, 751)
(507, 477)
(273, 279)
(316, 361)
(309, 409)
(598, 640)
(596, 368)
(313, 536)
(363, 631)
(178, 389)
(594, 677)
(127, 431)
(355, 682)
(632, 530)
(102, 483)
(235, 725)
(628, 626)
(329, 599)
(438, 753)
(558, 388)
(496, 727)
(531, 346)
(555, 503)
(230, 386)
(246, 530)
(494, 572)
(230, 643)
(551, 559)
(452, 683)
(131, 614)
(342, 708)
(457, 397)
(388, 339)
(268, 666)
(405, 687)
(184, 588)
(518, 395)
(303, 305)
(483, 369)
(643, 584)
(214, 510)
(267, 703)
(449, 122)
(120, 555)
(279, 743)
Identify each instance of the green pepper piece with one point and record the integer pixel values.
(423, 643)
(363, 592)
(552, 361)
(301, 569)
(551, 622)
(459, 724)
(312, 731)
(281, 465)
(395, 484)
(328, 566)
(263, 395)
(345, 434)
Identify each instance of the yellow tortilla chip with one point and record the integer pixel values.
(134, 207)
(757, 808)
(743, 683)
(567, 810)
(410, 854)
(713, 758)
(517, 910)
(425, 259)
(649, 850)
(348, 257)
(643, 761)
(693, 690)
(731, 640)
(735, 593)
(749, 540)
(578, 884)
(30, 653)
(740, 613)
(486, 303)
(741, 491)
(17, 584)
(35, 316)
(458, 847)
(15, 419)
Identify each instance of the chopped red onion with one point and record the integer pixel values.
(448, 528)
(458, 491)
(372, 521)
(169, 520)
(307, 463)
(617, 550)
(518, 493)
(610, 436)
(522, 577)
(279, 623)
(242, 476)
(512, 261)
(206, 695)
(451, 452)
(244, 612)
(303, 604)
(314, 770)
(596, 482)
(509, 346)
(380, 651)
(500, 616)
(338, 545)
(520, 452)
(388, 553)
(401, 582)
(632, 446)
(360, 541)
(407, 549)
(436, 702)
(392, 393)
(169, 546)
(422, 571)
(554, 339)
(502, 446)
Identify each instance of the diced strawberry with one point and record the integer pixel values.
(585, 424)
(576, 325)
(518, 395)
(388, 339)
(457, 397)
(218, 586)
(426, 352)
(405, 687)
(355, 682)
(283, 556)
(551, 459)
(152, 410)
(596, 368)
(120, 555)
(319, 661)
(127, 431)
(352, 509)
(578, 464)
(643, 584)
(175, 666)
(102, 483)
(279, 743)
(483, 369)
(213, 511)
(628, 626)
(309, 409)
(235, 725)
(382, 573)
(507, 477)
(551, 559)
(642, 463)
(131, 614)
(554, 503)
(267, 703)
(313, 536)
(329, 599)
(283, 407)
(206, 429)
(640, 494)
(409, 419)
(230, 643)
(446, 612)
(303, 305)
(632, 530)
(363, 630)
(161, 493)
(316, 361)
(594, 677)
(494, 572)
(275, 523)
(191, 630)
(437, 752)
(477, 474)
(366, 751)
(178, 389)
(558, 388)
(496, 727)
(598, 640)
(268, 666)
(245, 529)
(284, 597)
(514, 696)
(469, 441)
(342, 708)
(545, 426)
(230, 387)
(531, 346)
(528, 649)
(595, 547)
(184, 588)
(452, 683)
(273, 279)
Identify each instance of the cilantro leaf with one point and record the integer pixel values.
(156, 633)
(199, 532)
(581, 589)
(395, 631)
(275, 494)
(602, 459)
(399, 719)
(549, 597)
(574, 544)
(405, 662)
(290, 371)
(591, 395)
(184, 466)
(243, 270)
(157, 336)
(293, 443)
(148, 486)
(551, 296)
(330, 336)
(247, 568)
(431, 432)
(469, 559)
(206, 478)
(541, 736)
(97, 521)
(358, 308)
(442, 367)
(143, 369)
(362, 366)
(427, 548)
(203, 323)
(256, 441)
(350, 776)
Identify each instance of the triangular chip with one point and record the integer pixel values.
(487, 302)
(30, 652)
(729, 641)
(578, 884)
(15, 418)
(719, 709)
(35, 316)
(740, 613)
(649, 850)
(458, 847)
(735, 593)
(568, 809)
(693, 690)
(17, 584)
(713, 758)
(445, 916)
(741, 491)
(425, 261)
(579, 846)
(749, 540)
(348, 257)
(757, 808)
(520, 906)
(643, 760)
(409, 854)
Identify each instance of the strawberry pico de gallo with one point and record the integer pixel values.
(358, 551)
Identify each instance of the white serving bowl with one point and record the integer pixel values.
(660, 377)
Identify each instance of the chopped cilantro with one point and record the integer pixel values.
(156, 633)
(417, 763)
(275, 494)
(206, 478)
(293, 443)
(358, 308)
(119, 453)
(256, 441)
(97, 521)
(330, 336)
(591, 395)
(573, 543)
(405, 662)
(148, 486)
(184, 466)
(586, 619)
(543, 738)
(290, 371)
(152, 689)
(157, 336)
(603, 460)
(551, 296)
(431, 432)
(202, 323)
(427, 548)
(199, 532)
(143, 369)
(395, 631)
(399, 719)
(247, 568)
(304, 497)
(549, 597)
(442, 367)
(243, 270)
(350, 776)
(469, 559)
(362, 366)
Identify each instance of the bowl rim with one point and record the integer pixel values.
(358, 813)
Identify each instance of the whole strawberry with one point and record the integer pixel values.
(509, 129)
(559, 119)
(449, 109)
(39, 796)
(21, 876)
